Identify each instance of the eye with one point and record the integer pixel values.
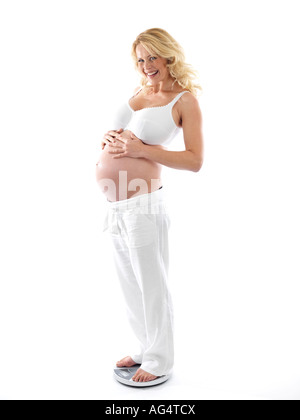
(143, 60)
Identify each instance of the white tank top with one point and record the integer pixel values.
(153, 125)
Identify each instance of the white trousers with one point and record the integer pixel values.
(138, 228)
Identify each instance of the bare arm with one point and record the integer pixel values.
(191, 158)
(178, 160)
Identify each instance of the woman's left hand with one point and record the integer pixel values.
(123, 146)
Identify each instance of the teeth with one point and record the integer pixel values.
(150, 74)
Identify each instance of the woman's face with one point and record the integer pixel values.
(148, 64)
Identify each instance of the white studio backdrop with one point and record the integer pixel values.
(234, 233)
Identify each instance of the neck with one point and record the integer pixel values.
(164, 86)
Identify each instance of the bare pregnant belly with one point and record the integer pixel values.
(123, 178)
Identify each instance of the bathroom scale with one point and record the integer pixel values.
(125, 374)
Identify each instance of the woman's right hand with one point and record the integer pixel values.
(110, 136)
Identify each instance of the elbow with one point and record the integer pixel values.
(197, 165)
(195, 161)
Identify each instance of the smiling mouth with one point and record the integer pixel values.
(152, 75)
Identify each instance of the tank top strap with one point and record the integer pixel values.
(135, 93)
(177, 97)
(138, 91)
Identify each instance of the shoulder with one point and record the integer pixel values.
(189, 99)
(189, 106)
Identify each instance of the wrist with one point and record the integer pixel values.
(143, 152)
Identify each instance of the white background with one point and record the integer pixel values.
(234, 225)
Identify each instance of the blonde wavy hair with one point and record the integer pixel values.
(159, 42)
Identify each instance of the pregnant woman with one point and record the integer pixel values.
(129, 174)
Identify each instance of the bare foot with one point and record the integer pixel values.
(143, 376)
(126, 362)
